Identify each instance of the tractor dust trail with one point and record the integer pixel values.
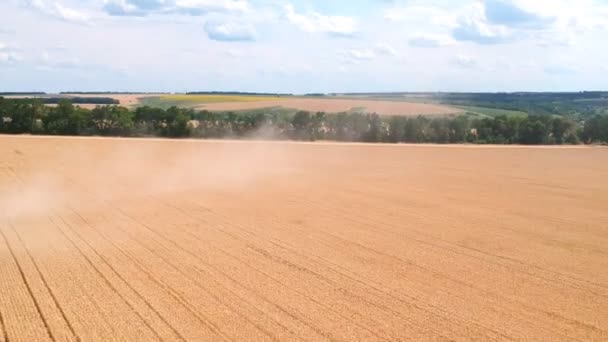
(125, 239)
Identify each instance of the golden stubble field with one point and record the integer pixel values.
(144, 240)
(243, 103)
(330, 105)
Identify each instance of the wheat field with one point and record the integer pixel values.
(201, 99)
(330, 105)
(160, 240)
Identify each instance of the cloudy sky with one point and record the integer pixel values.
(304, 46)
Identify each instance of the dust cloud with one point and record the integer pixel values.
(68, 172)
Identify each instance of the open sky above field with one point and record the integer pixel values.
(303, 45)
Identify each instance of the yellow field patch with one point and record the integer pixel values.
(217, 98)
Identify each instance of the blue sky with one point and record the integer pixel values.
(302, 46)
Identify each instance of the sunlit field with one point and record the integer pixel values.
(171, 240)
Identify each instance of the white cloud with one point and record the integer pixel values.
(580, 16)
(316, 22)
(514, 13)
(549, 22)
(235, 53)
(561, 70)
(59, 11)
(7, 55)
(191, 7)
(48, 61)
(385, 49)
(546, 22)
(364, 54)
(121, 7)
(428, 40)
(205, 6)
(4, 57)
(583, 13)
(230, 31)
(473, 25)
(465, 61)
(361, 54)
(70, 14)
(436, 17)
(554, 38)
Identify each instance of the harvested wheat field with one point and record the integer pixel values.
(338, 105)
(147, 240)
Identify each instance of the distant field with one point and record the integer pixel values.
(217, 98)
(253, 102)
(182, 100)
(330, 105)
(127, 100)
(492, 112)
(313, 104)
(81, 105)
(367, 104)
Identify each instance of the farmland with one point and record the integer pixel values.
(229, 102)
(216, 98)
(330, 105)
(127, 100)
(577, 106)
(191, 101)
(151, 239)
(309, 103)
(492, 112)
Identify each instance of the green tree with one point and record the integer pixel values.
(375, 131)
(533, 132)
(596, 129)
(302, 126)
(318, 126)
(459, 129)
(440, 130)
(179, 126)
(22, 116)
(112, 120)
(396, 129)
(562, 128)
(65, 119)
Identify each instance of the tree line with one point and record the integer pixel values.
(33, 117)
(577, 105)
(81, 100)
(75, 100)
(19, 93)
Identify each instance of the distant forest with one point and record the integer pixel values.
(56, 100)
(35, 93)
(80, 100)
(31, 116)
(109, 93)
(576, 105)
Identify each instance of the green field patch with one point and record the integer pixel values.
(191, 101)
(491, 112)
(202, 99)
